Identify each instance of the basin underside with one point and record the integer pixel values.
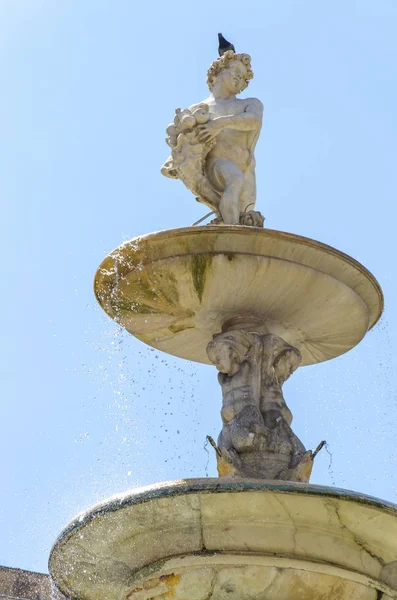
(175, 289)
(235, 539)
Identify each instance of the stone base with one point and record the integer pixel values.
(236, 539)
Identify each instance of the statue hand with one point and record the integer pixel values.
(208, 131)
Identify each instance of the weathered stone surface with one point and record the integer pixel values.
(235, 539)
(212, 143)
(175, 289)
(256, 440)
(236, 577)
(17, 584)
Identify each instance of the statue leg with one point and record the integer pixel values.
(229, 180)
(248, 193)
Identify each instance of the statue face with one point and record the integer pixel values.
(286, 363)
(234, 76)
(226, 359)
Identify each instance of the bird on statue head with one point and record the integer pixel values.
(224, 45)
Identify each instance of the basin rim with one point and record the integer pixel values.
(214, 485)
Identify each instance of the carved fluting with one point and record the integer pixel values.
(256, 439)
(212, 144)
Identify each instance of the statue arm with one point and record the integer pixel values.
(250, 119)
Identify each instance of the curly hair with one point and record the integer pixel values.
(236, 339)
(223, 62)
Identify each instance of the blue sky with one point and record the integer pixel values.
(87, 91)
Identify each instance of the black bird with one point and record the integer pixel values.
(224, 45)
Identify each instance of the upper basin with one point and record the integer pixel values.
(175, 289)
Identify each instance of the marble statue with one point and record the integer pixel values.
(212, 143)
(256, 439)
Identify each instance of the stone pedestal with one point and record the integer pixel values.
(238, 540)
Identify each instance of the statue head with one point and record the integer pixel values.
(235, 68)
(285, 359)
(228, 350)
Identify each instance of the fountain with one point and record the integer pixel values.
(257, 304)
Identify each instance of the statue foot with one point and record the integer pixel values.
(216, 221)
(251, 218)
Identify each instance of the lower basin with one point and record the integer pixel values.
(230, 539)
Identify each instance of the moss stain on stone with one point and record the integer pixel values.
(199, 266)
(150, 294)
(169, 287)
(178, 328)
(131, 306)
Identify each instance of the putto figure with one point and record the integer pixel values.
(256, 439)
(213, 142)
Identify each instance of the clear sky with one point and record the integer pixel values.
(88, 87)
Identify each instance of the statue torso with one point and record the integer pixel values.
(231, 144)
